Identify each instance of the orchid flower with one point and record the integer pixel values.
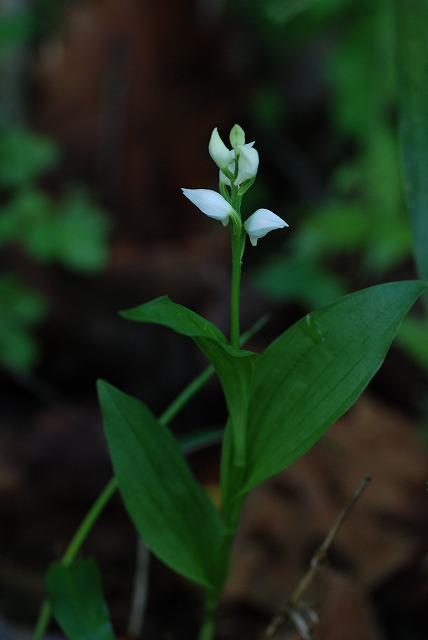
(261, 222)
(238, 166)
(211, 203)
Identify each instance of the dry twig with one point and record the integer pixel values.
(304, 619)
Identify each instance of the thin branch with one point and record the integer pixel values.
(140, 591)
(293, 605)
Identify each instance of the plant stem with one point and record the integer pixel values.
(183, 398)
(235, 289)
(206, 632)
(43, 620)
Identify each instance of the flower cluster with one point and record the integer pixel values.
(238, 169)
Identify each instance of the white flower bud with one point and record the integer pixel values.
(261, 222)
(248, 163)
(218, 151)
(237, 136)
(211, 203)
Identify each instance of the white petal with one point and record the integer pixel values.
(218, 151)
(211, 203)
(261, 222)
(248, 163)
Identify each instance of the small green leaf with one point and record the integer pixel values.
(170, 314)
(77, 601)
(314, 372)
(170, 510)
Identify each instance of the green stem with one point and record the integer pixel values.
(206, 632)
(183, 398)
(88, 522)
(43, 620)
(235, 289)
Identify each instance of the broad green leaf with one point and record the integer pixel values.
(170, 510)
(170, 314)
(313, 373)
(412, 60)
(233, 366)
(77, 601)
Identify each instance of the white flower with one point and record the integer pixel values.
(211, 203)
(261, 222)
(218, 151)
(248, 162)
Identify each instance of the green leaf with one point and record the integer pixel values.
(412, 60)
(24, 156)
(314, 372)
(21, 310)
(80, 233)
(170, 510)
(170, 314)
(77, 601)
(233, 366)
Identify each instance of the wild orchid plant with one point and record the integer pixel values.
(279, 404)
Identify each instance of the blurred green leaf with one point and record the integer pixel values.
(80, 233)
(412, 61)
(300, 279)
(25, 219)
(77, 601)
(24, 156)
(73, 232)
(16, 28)
(20, 310)
(412, 337)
